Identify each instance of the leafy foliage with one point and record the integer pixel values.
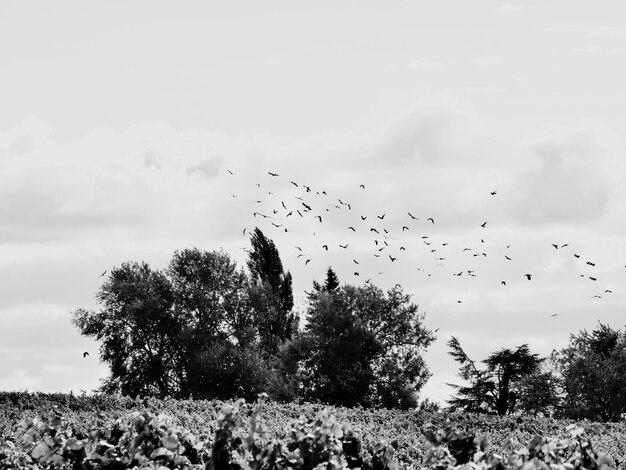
(592, 370)
(361, 346)
(493, 388)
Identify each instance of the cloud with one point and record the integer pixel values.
(488, 60)
(513, 8)
(607, 32)
(569, 185)
(419, 64)
(483, 89)
(591, 49)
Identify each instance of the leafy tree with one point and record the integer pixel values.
(362, 347)
(272, 293)
(178, 331)
(493, 388)
(538, 393)
(592, 372)
(138, 330)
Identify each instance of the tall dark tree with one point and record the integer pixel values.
(272, 295)
(138, 330)
(592, 373)
(362, 347)
(331, 283)
(492, 389)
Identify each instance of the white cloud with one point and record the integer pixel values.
(419, 64)
(488, 60)
(513, 8)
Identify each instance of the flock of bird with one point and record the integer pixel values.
(386, 238)
(390, 241)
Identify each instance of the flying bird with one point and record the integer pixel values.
(555, 315)
(413, 217)
(608, 291)
(344, 246)
(102, 275)
(590, 263)
(355, 261)
(308, 188)
(363, 217)
(457, 274)
(307, 262)
(319, 217)
(381, 217)
(276, 225)
(306, 206)
(299, 248)
(576, 256)
(85, 354)
(355, 273)
(294, 183)
(404, 227)
(483, 224)
(392, 258)
(593, 278)
(431, 219)
(503, 283)
(325, 247)
(244, 232)
(362, 186)
(273, 174)
(231, 172)
(373, 230)
(528, 276)
(493, 193)
(507, 257)
(556, 247)
(352, 228)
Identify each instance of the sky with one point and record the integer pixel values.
(130, 130)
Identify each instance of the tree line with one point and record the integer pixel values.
(204, 327)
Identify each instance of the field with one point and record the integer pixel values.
(404, 429)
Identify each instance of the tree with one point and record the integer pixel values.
(362, 347)
(592, 373)
(493, 388)
(176, 332)
(271, 295)
(138, 330)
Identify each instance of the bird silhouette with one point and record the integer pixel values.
(402, 248)
(325, 247)
(507, 257)
(85, 354)
(381, 217)
(319, 217)
(373, 230)
(231, 172)
(273, 174)
(392, 258)
(352, 228)
(493, 193)
(105, 271)
(556, 247)
(363, 217)
(608, 291)
(307, 262)
(294, 183)
(344, 246)
(355, 273)
(299, 248)
(593, 278)
(362, 186)
(503, 283)
(590, 263)
(276, 225)
(244, 232)
(528, 276)
(413, 217)
(355, 261)
(458, 274)
(576, 256)
(431, 219)
(483, 224)
(555, 315)
(404, 227)
(306, 206)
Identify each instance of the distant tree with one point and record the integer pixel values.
(537, 393)
(362, 347)
(330, 284)
(138, 330)
(271, 294)
(592, 372)
(179, 331)
(492, 389)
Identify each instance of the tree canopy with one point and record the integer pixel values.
(492, 389)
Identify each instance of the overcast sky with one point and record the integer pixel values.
(120, 121)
